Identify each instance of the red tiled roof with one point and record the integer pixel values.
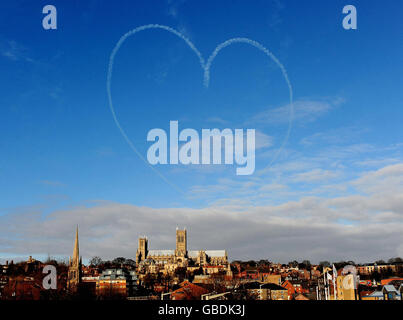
(386, 281)
(188, 291)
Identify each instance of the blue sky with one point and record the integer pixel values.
(61, 150)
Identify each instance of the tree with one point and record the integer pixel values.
(263, 262)
(166, 281)
(180, 272)
(118, 261)
(198, 272)
(293, 264)
(95, 261)
(130, 262)
(149, 281)
(218, 283)
(324, 263)
(342, 264)
(395, 260)
(251, 263)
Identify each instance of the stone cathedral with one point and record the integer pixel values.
(180, 256)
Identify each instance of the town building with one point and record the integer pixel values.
(272, 278)
(370, 268)
(265, 291)
(375, 295)
(117, 282)
(390, 293)
(346, 287)
(295, 288)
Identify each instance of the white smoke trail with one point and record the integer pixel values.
(109, 81)
(206, 80)
(279, 64)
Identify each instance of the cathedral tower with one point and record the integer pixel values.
(181, 243)
(142, 250)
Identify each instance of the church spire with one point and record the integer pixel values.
(76, 252)
(74, 273)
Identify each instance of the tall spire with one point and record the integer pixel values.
(76, 252)
(74, 274)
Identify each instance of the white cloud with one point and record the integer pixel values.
(262, 140)
(385, 180)
(376, 162)
(14, 51)
(315, 175)
(334, 136)
(305, 111)
(52, 183)
(306, 228)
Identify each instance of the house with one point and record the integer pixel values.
(214, 269)
(375, 295)
(265, 291)
(256, 290)
(272, 278)
(188, 291)
(295, 287)
(387, 281)
(365, 293)
(277, 292)
(23, 288)
(390, 293)
(290, 288)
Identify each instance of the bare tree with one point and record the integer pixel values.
(95, 261)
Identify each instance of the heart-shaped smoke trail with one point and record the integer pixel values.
(206, 67)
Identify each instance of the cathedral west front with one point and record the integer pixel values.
(180, 256)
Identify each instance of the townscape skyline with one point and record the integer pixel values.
(87, 260)
(184, 274)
